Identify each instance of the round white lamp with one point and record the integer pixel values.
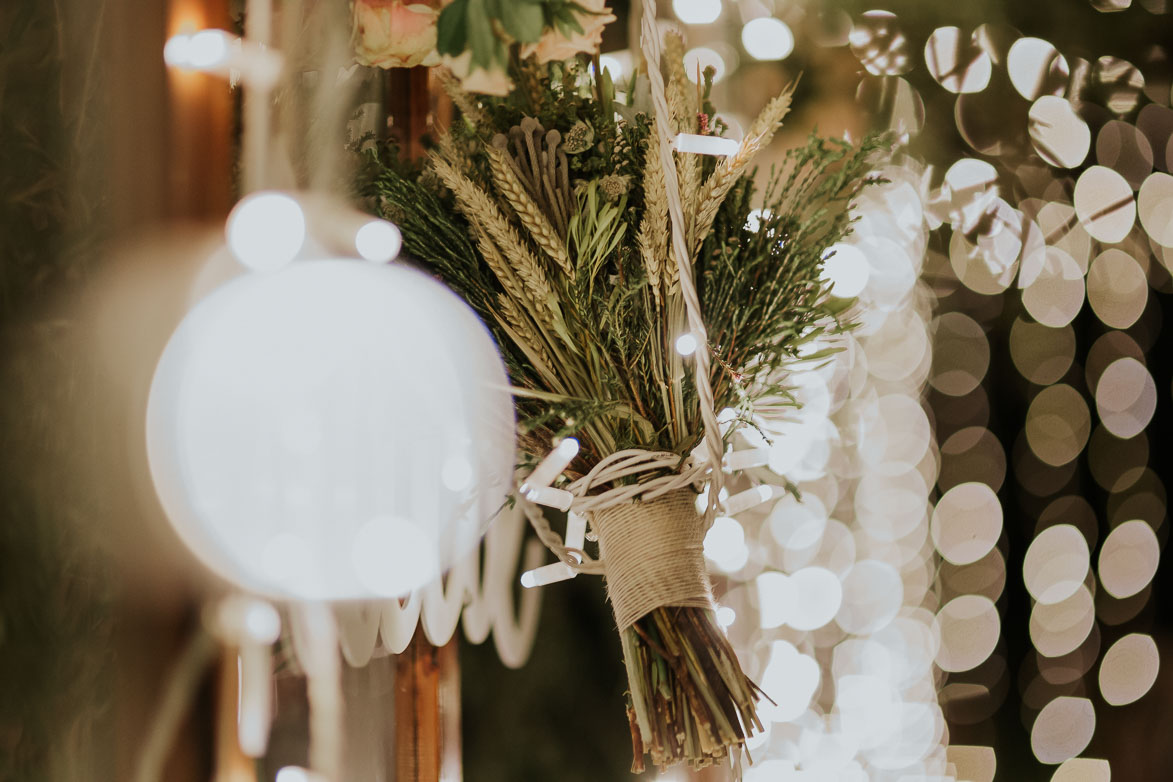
(331, 430)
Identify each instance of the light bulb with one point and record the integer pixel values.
(266, 230)
(378, 241)
(207, 49)
(686, 344)
(767, 38)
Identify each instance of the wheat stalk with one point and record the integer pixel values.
(479, 208)
(463, 101)
(530, 215)
(729, 170)
(681, 104)
(516, 324)
(653, 231)
(449, 150)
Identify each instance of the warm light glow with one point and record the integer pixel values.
(552, 466)
(1129, 669)
(266, 230)
(302, 424)
(846, 268)
(767, 38)
(702, 57)
(725, 544)
(697, 11)
(1063, 729)
(378, 241)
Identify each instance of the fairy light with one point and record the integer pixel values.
(560, 571)
(295, 774)
(220, 53)
(552, 466)
(378, 241)
(706, 145)
(209, 49)
(767, 38)
(262, 622)
(686, 344)
(744, 460)
(697, 11)
(550, 497)
(266, 230)
(750, 498)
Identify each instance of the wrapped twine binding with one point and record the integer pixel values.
(653, 554)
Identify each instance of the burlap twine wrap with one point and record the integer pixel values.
(653, 555)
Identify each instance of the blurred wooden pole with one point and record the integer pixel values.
(427, 678)
(427, 712)
(198, 174)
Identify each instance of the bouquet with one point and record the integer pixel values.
(634, 290)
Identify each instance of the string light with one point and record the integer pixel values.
(560, 571)
(222, 54)
(266, 230)
(767, 38)
(378, 241)
(552, 466)
(706, 145)
(686, 344)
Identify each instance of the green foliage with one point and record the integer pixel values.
(487, 27)
(597, 358)
(760, 288)
(595, 231)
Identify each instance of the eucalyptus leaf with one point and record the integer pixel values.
(523, 19)
(452, 29)
(483, 42)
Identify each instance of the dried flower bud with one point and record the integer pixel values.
(578, 138)
(614, 186)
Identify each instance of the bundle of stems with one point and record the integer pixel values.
(690, 699)
(546, 210)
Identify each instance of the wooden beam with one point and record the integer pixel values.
(427, 712)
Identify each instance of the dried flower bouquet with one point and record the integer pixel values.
(553, 212)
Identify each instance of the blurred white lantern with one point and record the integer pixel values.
(331, 430)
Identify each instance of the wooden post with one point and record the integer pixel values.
(427, 678)
(427, 712)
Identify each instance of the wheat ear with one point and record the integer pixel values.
(729, 170)
(463, 101)
(653, 228)
(681, 104)
(517, 325)
(530, 215)
(479, 208)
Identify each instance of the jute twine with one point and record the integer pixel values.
(654, 553)
(650, 542)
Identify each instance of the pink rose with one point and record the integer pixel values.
(491, 82)
(553, 45)
(395, 34)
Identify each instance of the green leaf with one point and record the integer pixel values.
(481, 39)
(523, 19)
(606, 92)
(452, 29)
(567, 22)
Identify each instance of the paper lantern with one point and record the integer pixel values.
(331, 430)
